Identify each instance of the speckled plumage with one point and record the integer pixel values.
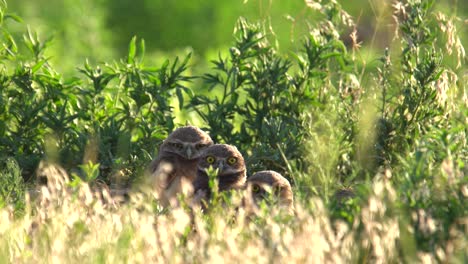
(231, 170)
(175, 167)
(343, 194)
(262, 183)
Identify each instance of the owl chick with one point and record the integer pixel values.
(343, 194)
(264, 185)
(230, 166)
(175, 167)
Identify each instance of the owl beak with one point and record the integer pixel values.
(189, 152)
(220, 166)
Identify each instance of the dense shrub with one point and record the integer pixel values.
(391, 136)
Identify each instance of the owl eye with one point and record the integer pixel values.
(210, 159)
(177, 145)
(200, 146)
(231, 160)
(255, 188)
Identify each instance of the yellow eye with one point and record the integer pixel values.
(232, 160)
(210, 159)
(255, 188)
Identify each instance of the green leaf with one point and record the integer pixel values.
(13, 17)
(132, 51)
(180, 97)
(38, 65)
(12, 47)
(142, 50)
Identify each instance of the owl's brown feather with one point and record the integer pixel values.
(270, 183)
(174, 169)
(231, 168)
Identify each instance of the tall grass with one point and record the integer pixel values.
(376, 153)
(74, 224)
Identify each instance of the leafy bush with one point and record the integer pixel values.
(96, 119)
(392, 134)
(12, 188)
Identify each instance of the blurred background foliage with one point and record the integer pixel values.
(101, 29)
(316, 70)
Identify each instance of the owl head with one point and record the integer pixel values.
(229, 163)
(265, 185)
(343, 194)
(187, 142)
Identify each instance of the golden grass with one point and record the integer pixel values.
(69, 225)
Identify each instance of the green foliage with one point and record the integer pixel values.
(12, 187)
(260, 103)
(97, 119)
(243, 111)
(91, 171)
(77, 30)
(311, 116)
(432, 179)
(410, 107)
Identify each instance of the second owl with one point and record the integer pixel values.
(230, 166)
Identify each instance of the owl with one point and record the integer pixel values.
(230, 166)
(343, 194)
(174, 169)
(270, 186)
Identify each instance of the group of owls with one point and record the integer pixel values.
(188, 152)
